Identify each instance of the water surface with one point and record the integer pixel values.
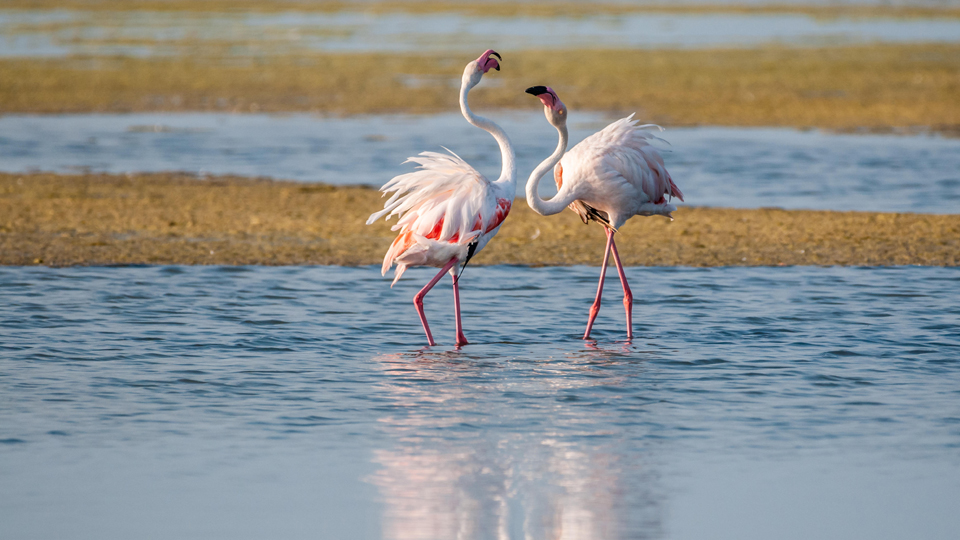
(141, 33)
(730, 167)
(299, 402)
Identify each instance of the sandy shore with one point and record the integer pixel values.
(871, 87)
(178, 219)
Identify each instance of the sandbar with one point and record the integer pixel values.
(176, 218)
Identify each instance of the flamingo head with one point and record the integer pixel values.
(486, 60)
(553, 108)
(477, 68)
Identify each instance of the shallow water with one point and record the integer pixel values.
(730, 167)
(299, 402)
(64, 32)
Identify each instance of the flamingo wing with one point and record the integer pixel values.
(623, 149)
(445, 201)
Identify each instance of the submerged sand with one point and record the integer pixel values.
(167, 218)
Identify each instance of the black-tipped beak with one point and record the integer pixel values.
(500, 58)
(536, 90)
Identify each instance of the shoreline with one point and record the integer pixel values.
(176, 218)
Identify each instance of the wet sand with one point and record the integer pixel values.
(872, 87)
(172, 218)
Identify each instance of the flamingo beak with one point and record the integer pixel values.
(546, 95)
(486, 62)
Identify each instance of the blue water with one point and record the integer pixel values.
(63, 32)
(730, 167)
(254, 402)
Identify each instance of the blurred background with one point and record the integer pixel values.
(347, 90)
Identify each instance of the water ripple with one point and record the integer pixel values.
(770, 167)
(206, 372)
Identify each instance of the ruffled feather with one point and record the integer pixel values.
(625, 150)
(444, 202)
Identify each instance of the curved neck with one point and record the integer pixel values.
(564, 197)
(508, 171)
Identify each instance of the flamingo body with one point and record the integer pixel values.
(445, 208)
(609, 177)
(447, 211)
(617, 172)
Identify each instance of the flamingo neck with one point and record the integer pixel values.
(566, 196)
(508, 171)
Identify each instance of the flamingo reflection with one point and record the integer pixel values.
(455, 471)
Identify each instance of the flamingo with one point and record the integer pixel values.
(447, 211)
(609, 177)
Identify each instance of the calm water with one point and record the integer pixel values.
(64, 32)
(221, 402)
(732, 167)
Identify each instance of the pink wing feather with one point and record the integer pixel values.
(445, 200)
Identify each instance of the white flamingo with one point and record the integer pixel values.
(447, 211)
(609, 177)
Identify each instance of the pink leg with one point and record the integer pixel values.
(627, 294)
(595, 308)
(418, 300)
(461, 339)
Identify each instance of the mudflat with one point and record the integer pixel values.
(172, 218)
(872, 87)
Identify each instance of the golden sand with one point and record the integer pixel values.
(876, 87)
(178, 219)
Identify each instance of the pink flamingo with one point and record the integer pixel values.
(609, 177)
(447, 211)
